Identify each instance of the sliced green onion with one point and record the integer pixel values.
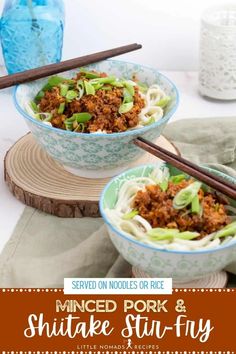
(129, 88)
(164, 185)
(186, 195)
(177, 179)
(80, 127)
(90, 90)
(63, 89)
(89, 74)
(39, 96)
(68, 125)
(56, 80)
(97, 86)
(195, 205)
(163, 102)
(106, 88)
(61, 108)
(103, 80)
(53, 81)
(142, 87)
(229, 230)
(71, 95)
(125, 107)
(159, 234)
(80, 88)
(127, 96)
(48, 118)
(150, 121)
(232, 224)
(80, 117)
(117, 83)
(187, 235)
(34, 107)
(130, 215)
(44, 116)
(71, 119)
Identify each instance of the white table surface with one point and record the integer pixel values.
(12, 127)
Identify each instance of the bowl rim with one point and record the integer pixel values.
(111, 135)
(139, 243)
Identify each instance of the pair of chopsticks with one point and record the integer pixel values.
(188, 167)
(193, 170)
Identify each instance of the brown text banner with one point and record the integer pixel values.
(200, 320)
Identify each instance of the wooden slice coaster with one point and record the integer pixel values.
(215, 280)
(37, 180)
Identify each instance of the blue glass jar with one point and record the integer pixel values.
(31, 33)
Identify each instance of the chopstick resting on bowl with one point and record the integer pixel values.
(52, 69)
(188, 167)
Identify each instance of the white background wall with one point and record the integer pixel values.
(167, 29)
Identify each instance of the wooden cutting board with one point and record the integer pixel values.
(37, 180)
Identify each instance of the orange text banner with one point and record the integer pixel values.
(200, 320)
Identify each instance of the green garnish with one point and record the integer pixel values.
(89, 74)
(79, 117)
(159, 234)
(61, 108)
(164, 185)
(103, 80)
(177, 179)
(117, 83)
(129, 88)
(90, 90)
(80, 88)
(34, 107)
(56, 80)
(130, 215)
(163, 102)
(186, 195)
(71, 95)
(81, 127)
(228, 230)
(53, 81)
(48, 117)
(68, 125)
(39, 96)
(106, 88)
(150, 121)
(125, 107)
(142, 87)
(195, 205)
(127, 97)
(44, 116)
(187, 235)
(63, 89)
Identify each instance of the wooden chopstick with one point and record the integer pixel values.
(52, 69)
(188, 167)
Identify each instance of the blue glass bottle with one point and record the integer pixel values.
(31, 33)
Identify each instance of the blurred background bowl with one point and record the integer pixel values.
(182, 266)
(96, 155)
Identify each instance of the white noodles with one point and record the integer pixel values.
(137, 227)
(151, 112)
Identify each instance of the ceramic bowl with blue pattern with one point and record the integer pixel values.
(182, 266)
(96, 155)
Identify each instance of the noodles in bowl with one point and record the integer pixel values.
(150, 210)
(168, 224)
(79, 124)
(95, 102)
